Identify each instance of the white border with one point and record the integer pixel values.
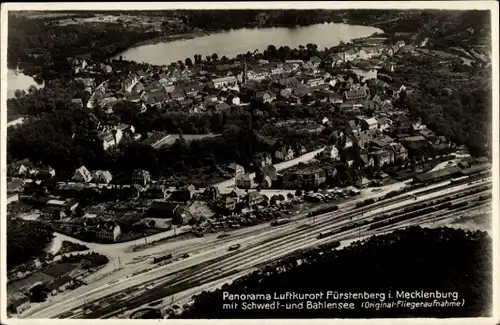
(455, 5)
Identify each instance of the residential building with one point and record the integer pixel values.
(349, 55)
(224, 82)
(348, 142)
(233, 99)
(178, 95)
(330, 152)
(362, 182)
(141, 177)
(358, 96)
(222, 107)
(369, 123)
(243, 181)
(156, 98)
(284, 153)
(302, 91)
(156, 192)
(174, 211)
(82, 175)
(19, 304)
(299, 62)
(373, 102)
(211, 193)
(129, 82)
(111, 137)
(354, 127)
(336, 60)
(384, 123)
(265, 96)
(266, 182)
(263, 159)
(311, 176)
(313, 82)
(102, 177)
(254, 198)
(108, 231)
(78, 102)
(382, 157)
(315, 61)
(199, 209)
(236, 169)
(367, 160)
(400, 152)
(268, 171)
(59, 285)
(184, 194)
(227, 203)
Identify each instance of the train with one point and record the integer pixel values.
(280, 221)
(162, 258)
(459, 205)
(326, 234)
(234, 247)
(459, 179)
(322, 210)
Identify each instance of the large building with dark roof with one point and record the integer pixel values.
(437, 175)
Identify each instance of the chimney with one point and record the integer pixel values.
(343, 53)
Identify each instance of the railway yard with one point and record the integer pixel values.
(187, 270)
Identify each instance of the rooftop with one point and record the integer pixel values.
(437, 174)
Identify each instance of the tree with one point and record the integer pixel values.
(298, 192)
(208, 58)
(19, 93)
(215, 57)
(290, 196)
(188, 62)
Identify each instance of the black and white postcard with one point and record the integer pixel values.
(241, 161)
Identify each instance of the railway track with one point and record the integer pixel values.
(252, 256)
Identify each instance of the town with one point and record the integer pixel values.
(311, 130)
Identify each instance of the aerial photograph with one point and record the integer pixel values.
(247, 163)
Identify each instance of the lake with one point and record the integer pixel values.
(18, 81)
(234, 42)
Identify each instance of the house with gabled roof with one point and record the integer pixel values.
(82, 174)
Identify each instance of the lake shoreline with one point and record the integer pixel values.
(168, 39)
(201, 33)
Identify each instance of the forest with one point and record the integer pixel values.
(411, 259)
(215, 20)
(26, 241)
(44, 48)
(453, 102)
